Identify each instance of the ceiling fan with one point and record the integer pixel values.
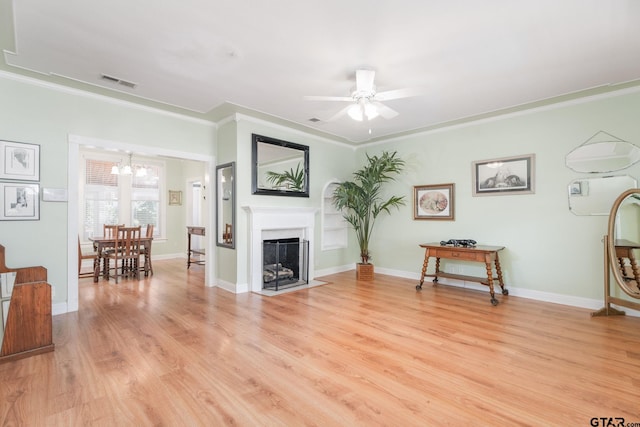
(366, 102)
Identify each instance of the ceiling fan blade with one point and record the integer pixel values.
(339, 114)
(384, 111)
(328, 98)
(396, 94)
(364, 80)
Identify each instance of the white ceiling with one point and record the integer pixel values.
(466, 57)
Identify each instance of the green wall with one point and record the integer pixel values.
(550, 253)
(47, 115)
(328, 160)
(549, 250)
(226, 258)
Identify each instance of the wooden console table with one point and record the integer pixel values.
(485, 254)
(196, 231)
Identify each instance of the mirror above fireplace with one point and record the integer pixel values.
(279, 168)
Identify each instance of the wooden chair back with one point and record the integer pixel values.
(227, 236)
(127, 241)
(109, 230)
(126, 253)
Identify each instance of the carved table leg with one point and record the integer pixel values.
(105, 268)
(499, 271)
(435, 279)
(622, 268)
(424, 268)
(634, 267)
(147, 261)
(96, 268)
(487, 263)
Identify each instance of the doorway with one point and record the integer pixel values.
(75, 142)
(195, 209)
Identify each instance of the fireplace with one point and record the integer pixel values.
(284, 263)
(277, 223)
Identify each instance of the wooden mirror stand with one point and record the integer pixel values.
(619, 253)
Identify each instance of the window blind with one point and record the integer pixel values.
(145, 198)
(100, 197)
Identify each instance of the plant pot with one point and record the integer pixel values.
(364, 272)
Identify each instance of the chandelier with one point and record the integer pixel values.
(128, 169)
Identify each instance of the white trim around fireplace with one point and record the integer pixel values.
(267, 219)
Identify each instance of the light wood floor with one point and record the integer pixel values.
(167, 351)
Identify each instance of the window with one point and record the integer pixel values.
(100, 204)
(145, 197)
(106, 198)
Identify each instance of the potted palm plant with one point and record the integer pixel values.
(362, 200)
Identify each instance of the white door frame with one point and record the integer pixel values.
(75, 141)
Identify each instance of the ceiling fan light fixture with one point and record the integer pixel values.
(370, 111)
(361, 110)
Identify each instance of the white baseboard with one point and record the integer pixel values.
(169, 256)
(235, 288)
(593, 304)
(334, 270)
(59, 308)
(570, 300)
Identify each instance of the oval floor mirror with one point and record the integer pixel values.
(622, 249)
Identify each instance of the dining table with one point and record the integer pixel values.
(100, 244)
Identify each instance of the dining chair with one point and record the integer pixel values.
(126, 254)
(109, 230)
(82, 256)
(147, 267)
(226, 236)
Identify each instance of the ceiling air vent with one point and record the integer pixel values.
(117, 81)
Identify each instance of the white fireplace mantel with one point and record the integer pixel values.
(300, 220)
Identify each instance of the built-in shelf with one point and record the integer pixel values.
(334, 227)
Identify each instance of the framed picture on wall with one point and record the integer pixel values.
(433, 202)
(507, 175)
(19, 201)
(175, 198)
(19, 161)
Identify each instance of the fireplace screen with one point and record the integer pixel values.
(285, 263)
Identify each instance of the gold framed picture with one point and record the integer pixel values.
(175, 198)
(433, 202)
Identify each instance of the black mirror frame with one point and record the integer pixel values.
(219, 198)
(255, 139)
